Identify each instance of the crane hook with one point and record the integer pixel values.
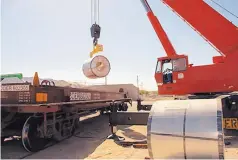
(95, 34)
(95, 28)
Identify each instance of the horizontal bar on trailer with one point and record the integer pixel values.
(128, 118)
(54, 107)
(144, 107)
(65, 103)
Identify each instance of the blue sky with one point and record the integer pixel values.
(53, 38)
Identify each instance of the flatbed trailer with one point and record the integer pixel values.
(47, 112)
(190, 128)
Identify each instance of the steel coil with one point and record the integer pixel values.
(96, 67)
(186, 129)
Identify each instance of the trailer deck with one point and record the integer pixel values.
(39, 113)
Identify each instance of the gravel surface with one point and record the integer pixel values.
(90, 142)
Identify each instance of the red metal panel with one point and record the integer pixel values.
(168, 47)
(209, 23)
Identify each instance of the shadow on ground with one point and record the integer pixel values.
(132, 134)
(12, 149)
(91, 133)
(128, 136)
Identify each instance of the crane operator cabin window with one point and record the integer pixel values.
(167, 66)
(171, 65)
(158, 67)
(179, 64)
(167, 69)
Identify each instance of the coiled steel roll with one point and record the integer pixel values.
(96, 67)
(186, 129)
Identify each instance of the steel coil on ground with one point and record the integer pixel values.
(186, 129)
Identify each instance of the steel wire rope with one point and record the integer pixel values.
(224, 8)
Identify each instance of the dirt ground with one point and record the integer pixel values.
(90, 142)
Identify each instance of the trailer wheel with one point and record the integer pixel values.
(102, 111)
(66, 129)
(124, 107)
(31, 136)
(119, 107)
(76, 123)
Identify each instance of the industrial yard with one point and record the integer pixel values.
(90, 142)
(153, 98)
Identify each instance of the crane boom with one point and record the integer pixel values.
(174, 74)
(168, 47)
(208, 23)
(209, 86)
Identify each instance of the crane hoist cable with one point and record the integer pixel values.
(224, 8)
(95, 28)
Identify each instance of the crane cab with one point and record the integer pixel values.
(169, 71)
(175, 76)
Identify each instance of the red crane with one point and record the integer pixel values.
(174, 75)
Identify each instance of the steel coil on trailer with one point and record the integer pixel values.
(96, 67)
(186, 129)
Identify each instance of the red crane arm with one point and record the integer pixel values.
(168, 47)
(216, 29)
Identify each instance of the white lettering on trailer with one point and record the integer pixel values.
(12, 88)
(24, 97)
(96, 96)
(80, 96)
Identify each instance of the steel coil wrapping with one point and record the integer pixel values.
(96, 67)
(186, 129)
